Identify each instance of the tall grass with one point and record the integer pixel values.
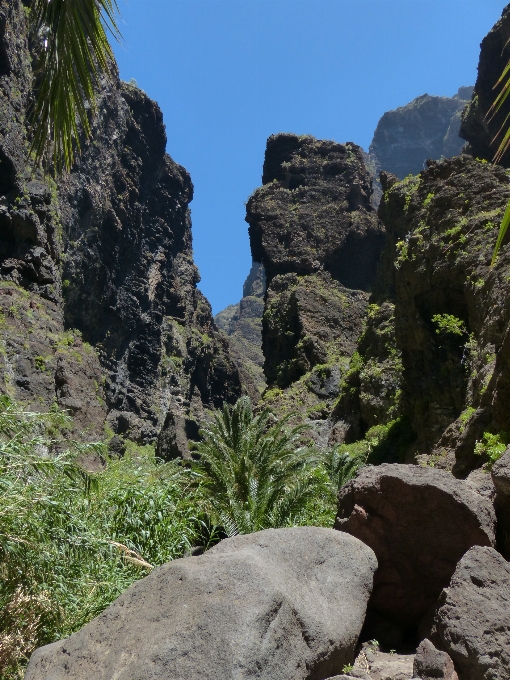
(71, 542)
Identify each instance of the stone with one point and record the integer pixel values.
(313, 212)
(430, 663)
(309, 321)
(419, 521)
(455, 381)
(501, 478)
(277, 604)
(477, 127)
(471, 620)
(116, 447)
(427, 127)
(243, 325)
(393, 666)
(480, 481)
(108, 252)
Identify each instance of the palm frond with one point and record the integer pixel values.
(504, 130)
(74, 52)
(251, 464)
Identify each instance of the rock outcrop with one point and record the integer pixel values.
(419, 522)
(426, 128)
(451, 312)
(108, 253)
(313, 228)
(471, 620)
(273, 605)
(478, 127)
(243, 324)
(313, 212)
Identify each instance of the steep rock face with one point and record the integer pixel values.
(313, 228)
(500, 474)
(471, 618)
(40, 362)
(427, 127)
(451, 309)
(129, 277)
(477, 127)
(310, 321)
(313, 212)
(243, 324)
(107, 252)
(371, 392)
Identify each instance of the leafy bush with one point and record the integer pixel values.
(342, 465)
(447, 324)
(492, 447)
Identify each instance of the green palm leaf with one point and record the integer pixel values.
(504, 145)
(74, 53)
(256, 476)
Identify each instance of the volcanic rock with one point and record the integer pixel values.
(314, 212)
(501, 478)
(451, 317)
(419, 522)
(309, 320)
(430, 663)
(427, 127)
(278, 604)
(243, 324)
(479, 127)
(316, 233)
(471, 621)
(97, 280)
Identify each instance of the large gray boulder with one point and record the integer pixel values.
(419, 522)
(472, 619)
(501, 479)
(278, 604)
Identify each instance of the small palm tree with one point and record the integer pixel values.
(257, 478)
(341, 466)
(70, 36)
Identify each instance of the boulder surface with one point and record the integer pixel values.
(431, 664)
(419, 521)
(278, 604)
(471, 621)
(501, 479)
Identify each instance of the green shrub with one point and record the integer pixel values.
(447, 324)
(492, 447)
(71, 542)
(256, 475)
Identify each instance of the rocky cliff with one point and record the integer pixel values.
(243, 324)
(106, 253)
(478, 127)
(313, 228)
(427, 127)
(434, 350)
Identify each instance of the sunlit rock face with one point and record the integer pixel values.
(105, 251)
(313, 228)
(426, 128)
(479, 128)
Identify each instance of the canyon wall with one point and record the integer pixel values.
(98, 286)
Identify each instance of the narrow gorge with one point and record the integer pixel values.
(372, 321)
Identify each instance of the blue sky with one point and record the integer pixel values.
(229, 73)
